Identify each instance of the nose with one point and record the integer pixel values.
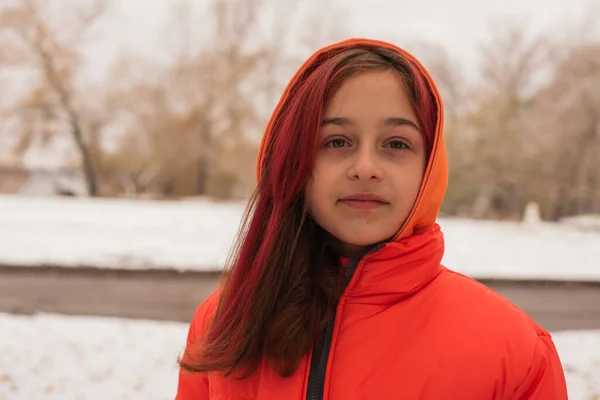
(366, 165)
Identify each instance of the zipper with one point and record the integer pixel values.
(318, 364)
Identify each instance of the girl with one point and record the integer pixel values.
(335, 289)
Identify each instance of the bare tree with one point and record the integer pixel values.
(191, 126)
(567, 122)
(33, 37)
(154, 141)
(209, 82)
(494, 142)
(513, 58)
(532, 128)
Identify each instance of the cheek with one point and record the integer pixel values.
(412, 177)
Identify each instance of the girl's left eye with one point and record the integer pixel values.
(397, 145)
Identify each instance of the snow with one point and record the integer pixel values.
(584, 222)
(59, 357)
(197, 234)
(580, 356)
(48, 357)
(116, 233)
(511, 250)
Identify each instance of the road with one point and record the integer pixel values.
(172, 295)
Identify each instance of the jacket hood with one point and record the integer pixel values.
(435, 180)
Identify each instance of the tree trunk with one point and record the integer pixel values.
(65, 102)
(204, 158)
(87, 164)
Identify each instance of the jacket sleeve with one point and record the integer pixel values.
(194, 386)
(545, 379)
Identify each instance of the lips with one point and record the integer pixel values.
(365, 197)
(364, 201)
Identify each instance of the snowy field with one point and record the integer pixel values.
(196, 234)
(50, 357)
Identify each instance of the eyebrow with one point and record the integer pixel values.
(390, 121)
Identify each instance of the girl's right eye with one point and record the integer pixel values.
(336, 143)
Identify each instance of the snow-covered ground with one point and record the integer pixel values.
(75, 358)
(197, 234)
(116, 233)
(50, 357)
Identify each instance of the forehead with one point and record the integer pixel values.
(369, 93)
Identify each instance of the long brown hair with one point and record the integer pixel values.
(283, 282)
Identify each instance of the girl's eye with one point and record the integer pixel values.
(336, 143)
(397, 145)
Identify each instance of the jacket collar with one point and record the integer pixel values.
(398, 269)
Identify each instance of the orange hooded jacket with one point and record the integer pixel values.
(406, 327)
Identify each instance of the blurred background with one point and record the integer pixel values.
(128, 137)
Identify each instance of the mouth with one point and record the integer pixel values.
(364, 201)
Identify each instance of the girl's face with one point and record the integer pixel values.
(370, 163)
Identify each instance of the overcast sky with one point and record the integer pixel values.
(459, 25)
